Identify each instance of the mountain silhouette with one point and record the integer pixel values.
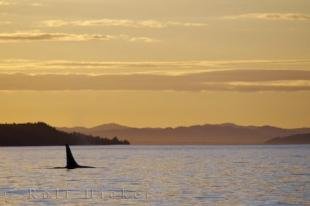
(41, 134)
(227, 133)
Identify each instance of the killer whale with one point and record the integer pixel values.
(71, 163)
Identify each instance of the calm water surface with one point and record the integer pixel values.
(157, 175)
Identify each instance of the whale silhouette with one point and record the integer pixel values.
(71, 163)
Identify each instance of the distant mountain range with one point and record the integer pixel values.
(197, 134)
(41, 134)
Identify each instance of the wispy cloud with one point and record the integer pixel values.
(122, 23)
(34, 67)
(231, 80)
(43, 36)
(142, 39)
(6, 3)
(37, 4)
(230, 75)
(272, 16)
(19, 2)
(5, 22)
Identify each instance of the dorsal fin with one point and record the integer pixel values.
(71, 163)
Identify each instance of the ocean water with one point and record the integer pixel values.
(157, 175)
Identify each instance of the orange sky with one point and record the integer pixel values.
(155, 63)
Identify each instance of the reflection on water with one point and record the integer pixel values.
(157, 175)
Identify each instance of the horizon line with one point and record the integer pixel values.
(161, 127)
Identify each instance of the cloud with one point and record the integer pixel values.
(20, 2)
(142, 39)
(42, 36)
(272, 16)
(34, 67)
(231, 80)
(6, 3)
(5, 22)
(122, 23)
(36, 4)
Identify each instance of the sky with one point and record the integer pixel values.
(155, 63)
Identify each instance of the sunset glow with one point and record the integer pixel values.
(155, 63)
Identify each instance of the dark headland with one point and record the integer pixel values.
(41, 134)
(292, 139)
